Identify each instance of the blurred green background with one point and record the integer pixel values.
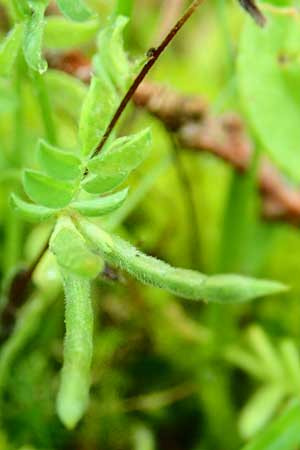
(168, 374)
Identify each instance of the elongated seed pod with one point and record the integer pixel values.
(73, 395)
(182, 282)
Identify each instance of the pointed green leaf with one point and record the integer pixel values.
(260, 409)
(71, 250)
(100, 206)
(9, 49)
(282, 433)
(97, 111)
(30, 211)
(291, 361)
(123, 155)
(33, 38)
(58, 163)
(64, 34)
(46, 191)
(98, 184)
(270, 92)
(74, 10)
(184, 283)
(112, 57)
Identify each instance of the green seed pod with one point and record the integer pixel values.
(73, 395)
(182, 282)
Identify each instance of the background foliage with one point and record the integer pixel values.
(167, 373)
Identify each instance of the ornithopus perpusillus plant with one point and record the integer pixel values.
(74, 190)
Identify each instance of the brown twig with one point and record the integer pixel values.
(153, 55)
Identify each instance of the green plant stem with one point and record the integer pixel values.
(46, 109)
(13, 224)
(238, 219)
(191, 209)
(18, 158)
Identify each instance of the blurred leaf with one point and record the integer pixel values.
(268, 100)
(266, 351)
(30, 211)
(71, 251)
(184, 283)
(111, 54)
(9, 49)
(123, 155)
(47, 191)
(33, 37)
(143, 438)
(97, 112)
(58, 163)
(259, 409)
(74, 9)
(100, 206)
(291, 362)
(67, 93)
(282, 434)
(63, 34)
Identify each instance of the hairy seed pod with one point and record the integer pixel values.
(74, 387)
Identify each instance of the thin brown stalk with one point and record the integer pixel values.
(153, 55)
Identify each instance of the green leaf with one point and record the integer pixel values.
(58, 163)
(30, 211)
(100, 206)
(123, 155)
(63, 34)
(71, 250)
(9, 49)
(74, 10)
(98, 184)
(291, 362)
(111, 55)
(184, 283)
(260, 409)
(270, 102)
(33, 37)
(282, 433)
(97, 112)
(67, 93)
(46, 191)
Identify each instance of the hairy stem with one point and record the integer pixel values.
(78, 348)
